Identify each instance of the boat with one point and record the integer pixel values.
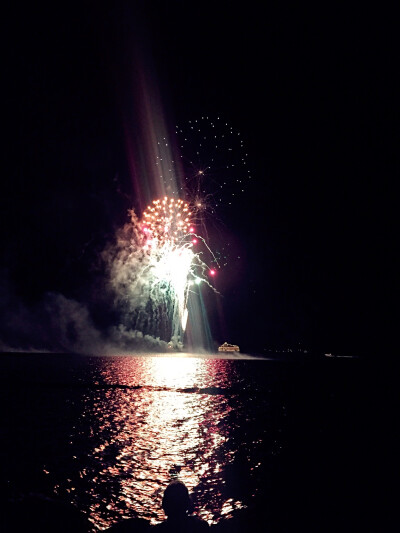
(228, 347)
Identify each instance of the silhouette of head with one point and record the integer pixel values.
(176, 499)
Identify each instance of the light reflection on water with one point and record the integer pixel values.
(150, 419)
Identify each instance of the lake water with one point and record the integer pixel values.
(108, 433)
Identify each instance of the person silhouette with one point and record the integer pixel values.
(178, 507)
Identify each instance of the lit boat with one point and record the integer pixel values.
(228, 347)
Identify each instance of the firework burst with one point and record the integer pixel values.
(170, 240)
(166, 221)
(212, 164)
(154, 265)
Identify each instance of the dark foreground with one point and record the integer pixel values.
(334, 475)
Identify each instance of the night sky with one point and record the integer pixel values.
(314, 93)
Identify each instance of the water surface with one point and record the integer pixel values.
(108, 433)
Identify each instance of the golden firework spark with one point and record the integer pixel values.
(167, 220)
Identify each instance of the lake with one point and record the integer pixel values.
(286, 438)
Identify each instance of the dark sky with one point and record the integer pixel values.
(314, 91)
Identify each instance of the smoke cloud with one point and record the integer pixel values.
(140, 310)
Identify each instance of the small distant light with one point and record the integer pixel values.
(212, 272)
(197, 281)
(194, 241)
(191, 230)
